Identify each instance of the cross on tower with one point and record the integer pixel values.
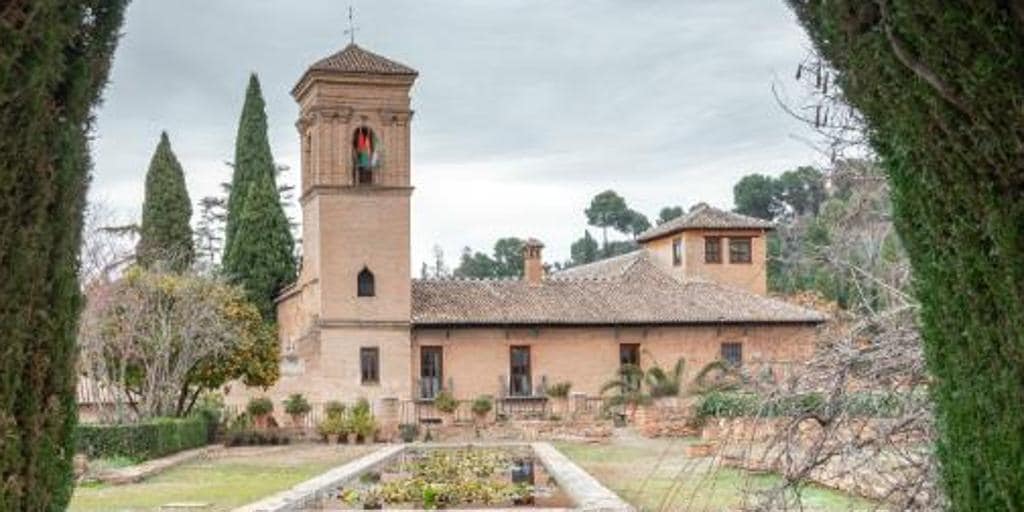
(352, 28)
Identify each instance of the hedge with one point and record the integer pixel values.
(143, 441)
(736, 404)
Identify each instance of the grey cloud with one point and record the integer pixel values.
(667, 101)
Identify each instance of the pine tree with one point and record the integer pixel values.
(262, 260)
(252, 158)
(166, 235)
(53, 66)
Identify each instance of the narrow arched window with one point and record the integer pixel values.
(365, 155)
(364, 285)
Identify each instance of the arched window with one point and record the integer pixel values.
(364, 285)
(365, 155)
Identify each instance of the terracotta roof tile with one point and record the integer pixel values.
(633, 291)
(353, 59)
(703, 216)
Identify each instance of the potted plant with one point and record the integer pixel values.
(446, 404)
(559, 395)
(361, 421)
(408, 432)
(297, 407)
(482, 405)
(326, 429)
(259, 409)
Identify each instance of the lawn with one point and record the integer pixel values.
(656, 475)
(237, 477)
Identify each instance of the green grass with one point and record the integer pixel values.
(238, 477)
(656, 475)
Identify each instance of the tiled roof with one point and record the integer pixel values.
(608, 267)
(353, 59)
(703, 216)
(633, 290)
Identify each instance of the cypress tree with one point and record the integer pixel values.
(252, 158)
(166, 234)
(941, 86)
(262, 261)
(54, 63)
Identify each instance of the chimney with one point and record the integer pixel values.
(533, 264)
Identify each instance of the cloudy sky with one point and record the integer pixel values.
(524, 109)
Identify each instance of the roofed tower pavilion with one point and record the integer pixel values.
(352, 298)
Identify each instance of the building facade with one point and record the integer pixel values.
(356, 325)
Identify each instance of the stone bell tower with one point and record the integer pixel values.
(353, 317)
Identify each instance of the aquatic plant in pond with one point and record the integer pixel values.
(438, 478)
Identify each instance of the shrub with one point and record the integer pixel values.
(735, 404)
(296, 405)
(142, 441)
(211, 408)
(445, 402)
(482, 405)
(363, 426)
(334, 408)
(559, 390)
(361, 408)
(261, 406)
(361, 421)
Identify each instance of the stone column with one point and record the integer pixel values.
(386, 409)
(577, 403)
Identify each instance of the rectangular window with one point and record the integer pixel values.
(629, 353)
(431, 371)
(519, 369)
(712, 249)
(739, 250)
(369, 364)
(732, 353)
(677, 252)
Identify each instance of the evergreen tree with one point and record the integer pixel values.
(253, 159)
(940, 86)
(668, 213)
(166, 235)
(262, 261)
(607, 210)
(584, 250)
(53, 66)
(757, 195)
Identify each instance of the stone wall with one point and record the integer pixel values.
(523, 430)
(666, 418)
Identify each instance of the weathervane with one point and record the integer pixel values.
(352, 28)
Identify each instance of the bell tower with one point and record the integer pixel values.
(354, 129)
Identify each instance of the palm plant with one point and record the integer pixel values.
(717, 376)
(628, 389)
(661, 383)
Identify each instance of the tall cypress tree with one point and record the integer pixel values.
(262, 261)
(941, 85)
(166, 235)
(252, 158)
(54, 63)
